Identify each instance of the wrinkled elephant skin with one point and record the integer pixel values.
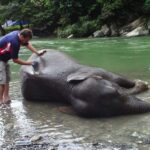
(91, 92)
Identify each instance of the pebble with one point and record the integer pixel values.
(23, 143)
(36, 138)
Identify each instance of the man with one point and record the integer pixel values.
(9, 49)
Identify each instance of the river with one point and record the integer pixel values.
(126, 56)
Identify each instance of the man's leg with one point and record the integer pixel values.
(1, 93)
(6, 97)
(2, 80)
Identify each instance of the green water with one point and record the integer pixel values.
(127, 56)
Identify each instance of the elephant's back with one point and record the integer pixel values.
(51, 82)
(53, 62)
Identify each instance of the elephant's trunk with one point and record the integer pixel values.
(135, 105)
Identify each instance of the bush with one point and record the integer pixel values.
(13, 28)
(81, 29)
(147, 7)
(66, 31)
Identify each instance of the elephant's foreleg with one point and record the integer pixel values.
(123, 82)
(140, 86)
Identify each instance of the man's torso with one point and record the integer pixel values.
(9, 46)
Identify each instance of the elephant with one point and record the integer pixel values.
(89, 91)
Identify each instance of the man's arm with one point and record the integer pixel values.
(22, 62)
(34, 50)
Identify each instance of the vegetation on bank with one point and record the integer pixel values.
(78, 17)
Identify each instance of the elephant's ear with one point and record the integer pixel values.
(77, 77)
(81, 76)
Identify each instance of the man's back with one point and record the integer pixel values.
(9, 46)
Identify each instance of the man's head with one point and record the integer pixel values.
(25, 35)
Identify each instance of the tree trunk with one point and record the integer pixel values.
(3, 32)
(21, 26)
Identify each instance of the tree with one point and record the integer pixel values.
(2, 19)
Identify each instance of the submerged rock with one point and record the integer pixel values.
(23, 143)
(36, 138)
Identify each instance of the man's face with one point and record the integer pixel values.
(24, 40)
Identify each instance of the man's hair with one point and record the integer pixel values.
(26, 33)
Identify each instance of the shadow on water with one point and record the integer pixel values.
(26, 119)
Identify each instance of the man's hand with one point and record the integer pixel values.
(34, 50)
(35, 66)
(41, 53)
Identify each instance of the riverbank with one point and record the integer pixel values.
(137, 27)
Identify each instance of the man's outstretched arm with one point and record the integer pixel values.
(22, 62)
(34, 50)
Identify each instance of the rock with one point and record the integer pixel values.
(148, 24)
(98, 33)
(54, 147)
(137, 32)
(95, 144)
(9, 126)
(23, 143)
(135, 134)
(105, 31)
(114, 30)
(70, 36)
(133, 25)
(36, 138)
(139, 142)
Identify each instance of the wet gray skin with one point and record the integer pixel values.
(129, 57)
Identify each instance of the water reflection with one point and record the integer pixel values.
(23, 118)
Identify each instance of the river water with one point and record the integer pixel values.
(126, 56)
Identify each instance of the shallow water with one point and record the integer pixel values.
(126, 56)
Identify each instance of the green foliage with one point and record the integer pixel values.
(12, 28)
(78, 17)
(81, 29)
(110, 8)
(147, 6)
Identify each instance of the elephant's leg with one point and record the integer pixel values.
(123, 82)
(120, 80)
(140, 86)
(135, 86)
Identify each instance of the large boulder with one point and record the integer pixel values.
(114, 30)
(138, 32)
(140, 22)
(105, 31)
(98, 33)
